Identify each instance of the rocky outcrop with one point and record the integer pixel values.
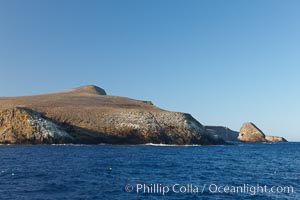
(19, 125)
(87, 115)
(251, 133)
(223, 132)
(275, 139)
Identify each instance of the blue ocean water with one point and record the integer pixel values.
(150, 172)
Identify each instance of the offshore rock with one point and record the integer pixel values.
(251, 133)
(275, 139)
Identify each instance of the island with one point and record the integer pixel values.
(87, 115)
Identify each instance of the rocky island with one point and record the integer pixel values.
(87, 115)
(249, 132)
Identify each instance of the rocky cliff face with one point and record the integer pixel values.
(223, 132)
(87, 115)
(18, 125)
(251, 133)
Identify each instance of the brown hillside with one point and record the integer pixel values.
(87, 115)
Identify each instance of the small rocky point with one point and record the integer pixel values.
(249, 132)
(224, 133)
(87, 115)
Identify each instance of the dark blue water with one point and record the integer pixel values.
(106, 172)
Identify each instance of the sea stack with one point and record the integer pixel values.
(249, 132)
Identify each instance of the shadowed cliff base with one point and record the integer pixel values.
(223, 132)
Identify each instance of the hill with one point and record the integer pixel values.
(88, 115)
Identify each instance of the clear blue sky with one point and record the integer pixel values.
(223, 61)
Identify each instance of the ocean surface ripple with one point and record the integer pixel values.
(31, 172)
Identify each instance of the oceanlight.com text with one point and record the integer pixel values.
(213, 188)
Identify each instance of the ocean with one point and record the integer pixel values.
(240, 171)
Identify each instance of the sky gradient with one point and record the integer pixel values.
(224, 61)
